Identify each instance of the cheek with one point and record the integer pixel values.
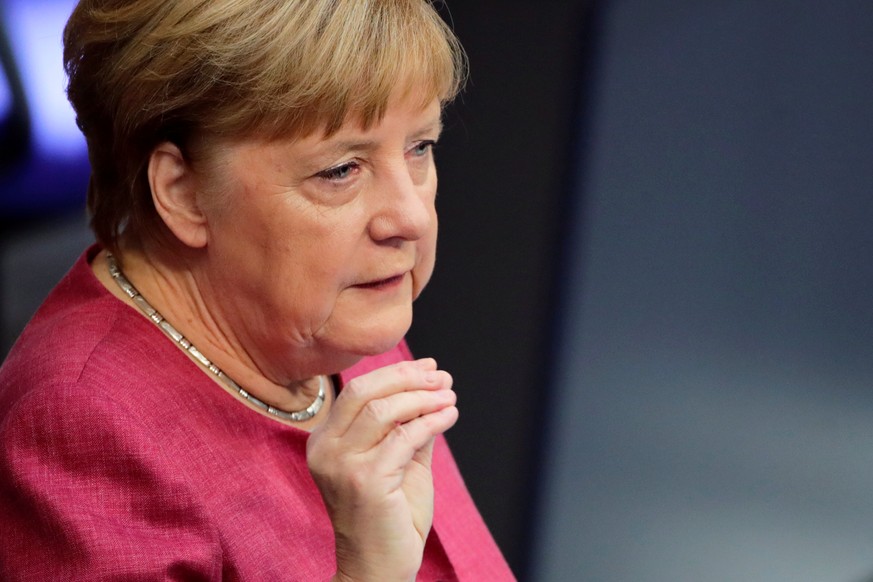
(426, 260)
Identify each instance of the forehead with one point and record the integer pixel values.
(409, 95)
(403, 121)
(402, 116)
(408, 116)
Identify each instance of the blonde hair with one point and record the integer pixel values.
(145, 71)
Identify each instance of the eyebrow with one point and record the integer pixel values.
(435, 127)
(343, 147)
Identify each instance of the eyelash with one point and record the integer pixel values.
(340, 172)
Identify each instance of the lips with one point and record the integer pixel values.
(382, 283)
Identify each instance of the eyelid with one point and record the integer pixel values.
(429, 143)
(329, 174)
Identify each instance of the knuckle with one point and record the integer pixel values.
(378, 411)
(315, 461)
(403, 434)
(317, 470)
(408, 371)
(354, 389)
(358, 482)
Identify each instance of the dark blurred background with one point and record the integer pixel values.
(653, 285)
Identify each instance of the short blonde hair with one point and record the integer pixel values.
(145, 71)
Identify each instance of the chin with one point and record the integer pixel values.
(358, 331)
(379, 343)
(372, 340)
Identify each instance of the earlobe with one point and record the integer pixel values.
(174, 194)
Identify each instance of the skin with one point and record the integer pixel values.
(296, 257)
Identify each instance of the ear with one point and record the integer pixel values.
(174, 193)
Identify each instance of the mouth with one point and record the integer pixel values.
(388, 283)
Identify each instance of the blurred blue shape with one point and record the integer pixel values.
(35, 29)
(45, 170)
(5, 94)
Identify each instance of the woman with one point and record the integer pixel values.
(219, 389)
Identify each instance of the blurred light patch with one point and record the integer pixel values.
(5, 95)
(35, 29)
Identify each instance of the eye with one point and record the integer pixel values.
(422, 148)
(339, 173)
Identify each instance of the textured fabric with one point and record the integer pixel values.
(121, 460)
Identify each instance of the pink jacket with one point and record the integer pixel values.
(121, 460)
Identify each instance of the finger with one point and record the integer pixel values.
(400, 377)
(424, 455)
(405, 441)
(379, 417)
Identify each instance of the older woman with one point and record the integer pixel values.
(219, 389)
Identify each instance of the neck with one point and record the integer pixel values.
(171, 286)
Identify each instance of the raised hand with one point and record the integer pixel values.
(371, 460)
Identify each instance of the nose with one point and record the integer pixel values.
(404, 207)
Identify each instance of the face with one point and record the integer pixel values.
(319, 245)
